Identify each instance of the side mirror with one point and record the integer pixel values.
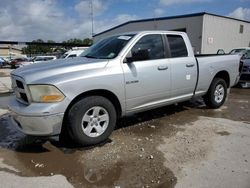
(129, 58)
(139, 55)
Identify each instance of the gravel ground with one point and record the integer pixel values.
(5, 72)
(183, 145)
(5, 81)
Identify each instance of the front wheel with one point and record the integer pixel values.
(91, 120)
(216, 94)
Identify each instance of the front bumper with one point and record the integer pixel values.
(36, 125)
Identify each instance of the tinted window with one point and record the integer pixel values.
(149, 47)
(177, 46)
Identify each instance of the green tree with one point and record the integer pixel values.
(86, 41)
(38, 49)
(43, 49)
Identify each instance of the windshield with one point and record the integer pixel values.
(107, 48)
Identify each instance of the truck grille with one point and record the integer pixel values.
(20, 90)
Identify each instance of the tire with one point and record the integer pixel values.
(91, 120)
(218, 87)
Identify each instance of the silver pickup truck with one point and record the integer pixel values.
(120, 75)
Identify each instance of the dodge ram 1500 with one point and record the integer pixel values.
(120, 75)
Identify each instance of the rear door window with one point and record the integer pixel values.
(177, 46)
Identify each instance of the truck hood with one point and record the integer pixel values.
(35, 72)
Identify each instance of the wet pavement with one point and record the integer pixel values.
(150, 149)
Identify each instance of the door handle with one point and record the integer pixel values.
(190, 65)
(162, 67)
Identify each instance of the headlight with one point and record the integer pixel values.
(45, 93)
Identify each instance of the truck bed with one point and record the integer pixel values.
(210, 64)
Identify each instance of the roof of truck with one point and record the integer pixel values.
(148, 32)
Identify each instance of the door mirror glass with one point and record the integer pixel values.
(128, 58)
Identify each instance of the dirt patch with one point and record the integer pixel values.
(192, 144)
(146, 150)
(236, 107)
(223, 133)
(193, 148)
(2, 74)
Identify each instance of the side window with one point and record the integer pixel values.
(177, 46)
(148, 47)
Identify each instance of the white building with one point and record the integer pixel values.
(207, 32)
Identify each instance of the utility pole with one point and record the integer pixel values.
(155, 24)
(92, 17)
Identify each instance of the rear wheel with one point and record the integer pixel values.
(91, 120)
(216, 94)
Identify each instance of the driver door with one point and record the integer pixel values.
(147, 74)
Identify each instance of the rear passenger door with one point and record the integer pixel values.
(183, 67)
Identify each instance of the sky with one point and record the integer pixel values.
(58, 20)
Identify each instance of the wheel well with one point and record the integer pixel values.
(225, 76)
(104, 93)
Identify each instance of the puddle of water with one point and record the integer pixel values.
(118, 163)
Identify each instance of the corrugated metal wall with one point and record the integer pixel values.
(193, 27)
(207, 33)
(223, 33)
